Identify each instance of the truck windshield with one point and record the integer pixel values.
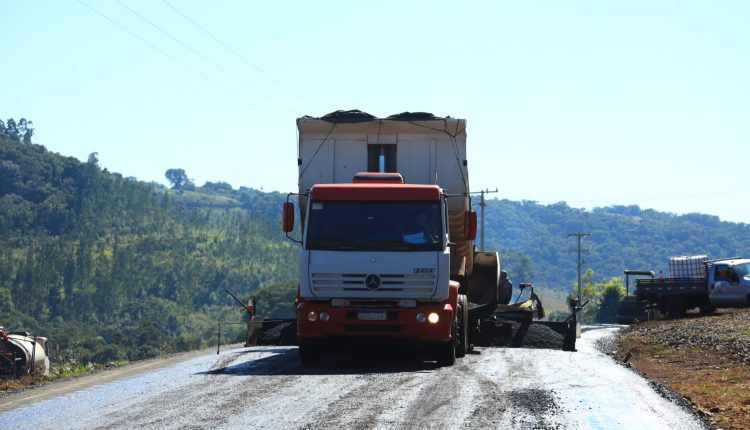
(375, 226)
(742, 269)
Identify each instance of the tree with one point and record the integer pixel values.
(588, 294)
(602, 298)
(177, 177)
(20, 132)
(518, 265)
(611, 292)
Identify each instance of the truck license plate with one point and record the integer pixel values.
(372, 315)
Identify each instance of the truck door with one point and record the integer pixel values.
(724, 286)
(736, 292)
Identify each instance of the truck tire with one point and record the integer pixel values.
(309, 353)
(447, 350)
(462, 345)
(676, 307)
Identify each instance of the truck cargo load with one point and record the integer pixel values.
(688, 266)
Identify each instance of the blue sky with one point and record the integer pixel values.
(590, 102)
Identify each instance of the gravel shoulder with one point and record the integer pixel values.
(704, 359)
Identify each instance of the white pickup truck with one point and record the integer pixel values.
(715, 284)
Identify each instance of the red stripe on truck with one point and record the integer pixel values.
(367, 192)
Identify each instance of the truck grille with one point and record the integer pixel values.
(338, 284)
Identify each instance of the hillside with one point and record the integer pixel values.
(111, 268)
(622, 237)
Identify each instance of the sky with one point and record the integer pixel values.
(594, 103)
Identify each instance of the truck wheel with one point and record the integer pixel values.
(308, 353)
(676, 307)
(447, 350)
(463, 327)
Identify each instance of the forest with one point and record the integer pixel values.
(111, 268)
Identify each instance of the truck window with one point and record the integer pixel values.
(381, 158)
(721, 273)
(375, 226)
(742, 270)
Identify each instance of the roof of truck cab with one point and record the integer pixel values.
(375, 192)
(732, 261)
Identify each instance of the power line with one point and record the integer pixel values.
(181, 63)
(663, 197)
(204, 57)
(240, 56)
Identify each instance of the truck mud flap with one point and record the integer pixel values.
(522, 332)
(277, 331)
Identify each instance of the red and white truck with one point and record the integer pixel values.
(387, 231)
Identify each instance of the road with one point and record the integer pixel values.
(266, 387)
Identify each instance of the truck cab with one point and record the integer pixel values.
(375, 262)
(729, 283)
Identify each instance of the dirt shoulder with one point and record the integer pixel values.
(705, 359)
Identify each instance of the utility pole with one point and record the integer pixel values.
(481, 213)
(580, 237)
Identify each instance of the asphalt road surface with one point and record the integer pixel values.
(266, 387)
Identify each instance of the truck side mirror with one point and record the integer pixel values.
(288, 217)
(470, 225)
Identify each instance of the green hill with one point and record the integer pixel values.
(111, 268)
(622, 237)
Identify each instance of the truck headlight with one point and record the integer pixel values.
(433, 318)
(421, 318)
(312, 316)
(324, 316)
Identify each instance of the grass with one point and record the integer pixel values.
(56, 372)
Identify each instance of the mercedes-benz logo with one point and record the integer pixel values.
(372, 282)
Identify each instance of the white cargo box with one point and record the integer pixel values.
(424, 149)
(688, 266)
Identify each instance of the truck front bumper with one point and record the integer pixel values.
(424, 323)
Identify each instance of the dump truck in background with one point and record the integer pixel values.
(694, 281)
(387, 242)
